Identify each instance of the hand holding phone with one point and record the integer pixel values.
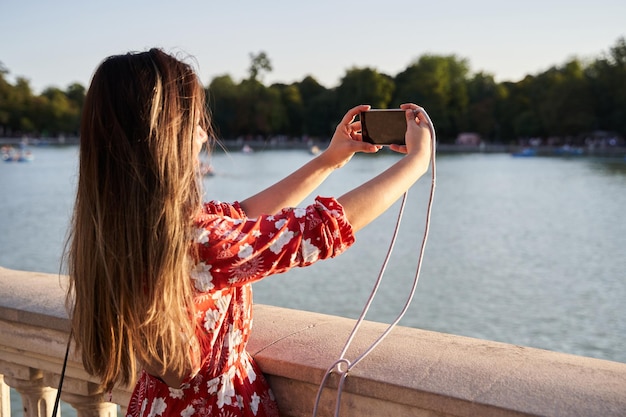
(383, 126)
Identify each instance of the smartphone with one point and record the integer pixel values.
(383, 126)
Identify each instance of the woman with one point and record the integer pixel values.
(160, 282)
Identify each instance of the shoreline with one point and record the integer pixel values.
(443, 148)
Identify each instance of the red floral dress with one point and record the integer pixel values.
(234, 251)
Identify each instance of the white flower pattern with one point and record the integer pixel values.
(176, 393)
(202, 235)
(211, 317)
(254, 405)
(281, 241)
(245, 251)
(201, 274)
(310, 252)
(188, 411)
(158, 407)
(299, 212)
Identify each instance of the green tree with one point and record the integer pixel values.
(438, 83)
(564, 100)
(56, 112)
(259, 109)
(223, 96)
(517, 114)
(322, 114)
(76, 94)
(483, 97)
(607, 77)
(292, 119)
(5, 95)
(259, 63)
(364, 86)
(319, 107)
(20, 115)
(309, 88)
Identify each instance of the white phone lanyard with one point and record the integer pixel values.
(343, 365)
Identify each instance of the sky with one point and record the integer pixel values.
(56, 43)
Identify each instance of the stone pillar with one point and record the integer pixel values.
(90, 405)
(5, 398)
(37, 398)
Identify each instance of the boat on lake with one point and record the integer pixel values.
(9, 154)
(525, 152)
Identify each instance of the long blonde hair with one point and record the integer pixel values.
(129, 246)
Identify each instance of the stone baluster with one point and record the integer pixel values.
(37, 397)
(90, 405)
(5, 398)
(84, 396)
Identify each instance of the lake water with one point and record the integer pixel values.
(528, 251)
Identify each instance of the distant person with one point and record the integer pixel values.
(160, 282)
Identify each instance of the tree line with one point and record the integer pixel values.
(569, 101)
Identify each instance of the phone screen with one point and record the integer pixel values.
(383, 126)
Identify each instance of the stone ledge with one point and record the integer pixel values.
(33, 298)
(412, 373)
(446, 374)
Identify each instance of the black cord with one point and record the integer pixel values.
(58, 398)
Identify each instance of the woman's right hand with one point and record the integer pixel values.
(347, 140)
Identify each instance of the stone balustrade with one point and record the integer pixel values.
(412, 373)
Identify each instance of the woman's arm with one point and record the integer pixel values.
(290, 191)
(368, 201)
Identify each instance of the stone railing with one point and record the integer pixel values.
(412, 373)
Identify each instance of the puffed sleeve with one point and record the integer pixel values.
(235, 250)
